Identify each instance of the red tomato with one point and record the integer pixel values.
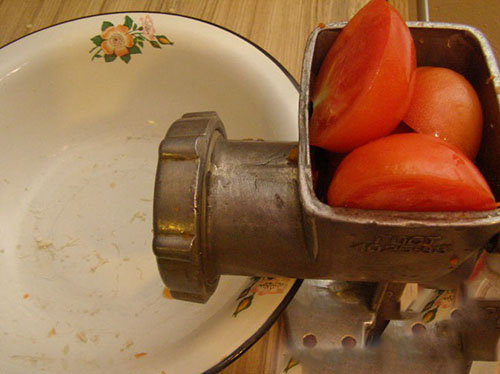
(444, 104)
(364, 85)
(409, 172)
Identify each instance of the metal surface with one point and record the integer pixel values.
(331, 317)
(423, 10)
(179, 206)
(327, 315)
(386, 306)
(330, 314)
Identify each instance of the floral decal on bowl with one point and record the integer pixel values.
(290, 365)
(126, 40)
(260, 287)
(441, 303)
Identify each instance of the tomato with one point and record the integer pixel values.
(444, 104)
(364, 85)
(409, 172)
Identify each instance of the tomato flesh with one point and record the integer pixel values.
(365, 83)
(409, 172)
(445, 104)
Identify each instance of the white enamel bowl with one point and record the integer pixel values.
(80, 291)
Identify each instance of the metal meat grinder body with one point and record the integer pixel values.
(250, 208)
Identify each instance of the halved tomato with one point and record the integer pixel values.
(444, 104)
(364, 85)
(409, 172)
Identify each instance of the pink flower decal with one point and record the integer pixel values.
(148, 27)
(125, 40)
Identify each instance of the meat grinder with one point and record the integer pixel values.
(249, 207)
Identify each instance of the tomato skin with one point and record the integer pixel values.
(409, 172)
(365, 82)
(445, 104)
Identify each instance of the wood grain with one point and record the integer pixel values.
(279, 26)
(483, 14)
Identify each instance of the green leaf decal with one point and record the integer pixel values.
(141, 43)
(128, 22)
(244, 292)
(105, 25)
(109, 58)
(134, 27)
(134, 50)
(97, 40)
(154, 44)
(291, 364)
(163, 39)
(125, 58)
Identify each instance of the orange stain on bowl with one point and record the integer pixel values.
(26, 295)
(167, 294)
(139, 355)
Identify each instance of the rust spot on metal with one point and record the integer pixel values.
(293, 156)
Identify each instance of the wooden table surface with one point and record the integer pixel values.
(279, 26)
